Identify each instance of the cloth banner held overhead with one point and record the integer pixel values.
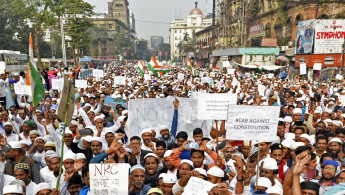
(214, 106)
(252, 122)
(109, 178)
(145, 113)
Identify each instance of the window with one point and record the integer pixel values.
(102, 26)
(118, 5)
(110, 26)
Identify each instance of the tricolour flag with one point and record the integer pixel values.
(151, 65)
(33, 78)
(190, 66)
(197, 65)
(141, 68)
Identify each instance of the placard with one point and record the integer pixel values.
(197, 186)
(341, 99)
(339, 77)
(57, 84)
(212, 74)
(226, 64)
(252, 122)
(180, 76)
(317, 66)
(97, 73)
(261, 89)
(2, 67)
(113, 102)
(154, 112)
(270, 75)
(205, 79)
(147, 77)
(63, 101)
(120, 80)
(302, 68)
(109, 178)
(81, 84)
(231, 71)
(20, 89)
(215, 106)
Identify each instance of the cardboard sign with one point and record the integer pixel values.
(2, 67)
(57, 84)
(317, 66)
(97, 73)
(303, 69)
(197, 186)
(215, 106)
(152, 113)
(147, 77)
(81, 84)
(109, 178)
(339, 77)
(114, 101)
(226, 64)
(252, 122)
(341, 99)
(231, 71)
(120, 80)
(180, 76)
(62, 111)
(261, 89)
(22, 89)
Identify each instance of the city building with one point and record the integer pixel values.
(118, 9)
(186, 28)
(156, 41)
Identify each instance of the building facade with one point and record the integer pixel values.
(156, 41)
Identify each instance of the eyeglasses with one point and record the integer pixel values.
(329, 169)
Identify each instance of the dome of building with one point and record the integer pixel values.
(196, 10)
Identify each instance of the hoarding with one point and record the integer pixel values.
(329, 36)
(305, 36)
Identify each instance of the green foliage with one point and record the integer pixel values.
(122, 40)
(254, 8)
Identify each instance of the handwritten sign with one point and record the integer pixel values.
(81, 84)
(252, 122)
(303, 69)
(22, 89)
(114, 101)
(57, 84)
(197, 186)
(97, 73)
(214, 106)
(317, 66)
(120, 80)
(109, 178)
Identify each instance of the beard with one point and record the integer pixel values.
(138, 184)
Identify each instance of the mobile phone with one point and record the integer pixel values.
(85, 132)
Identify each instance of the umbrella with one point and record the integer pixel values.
(283, 58)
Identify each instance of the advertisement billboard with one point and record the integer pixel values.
(305, 36)
(329, 36)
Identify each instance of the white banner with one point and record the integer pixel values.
(329, 36)
(57, 84)
(120, 80)
(197, 186)
(215, 106)
(151, 113)
(81, 84)
(302, 68)
(22, 89)
(109, 178)
(97, 73)
(252, 122)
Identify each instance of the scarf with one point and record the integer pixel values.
(281, 170)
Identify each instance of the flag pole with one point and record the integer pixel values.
(63, 134)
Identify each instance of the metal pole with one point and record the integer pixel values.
(63, 41)
(242, 23)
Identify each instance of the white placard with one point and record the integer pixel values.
(317, 66)
(215, 106)
(57, 84)
(197, 186)
(147, 77)
(341, 99)
(109, 178)
(180, 76)
(97, 73)
(252, 122)
(231, 71)
(22, 89)
(81, 84)
(2, 67)
(261, 89)
(270, 75)
(339, 77)
(329, 38)
(302, 68)
(120, 80)
(226, 64)
(152, 113)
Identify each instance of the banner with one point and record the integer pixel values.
(197, 186)
(152, 113)
(57, 84)
(109, 178)
(215, 106)
(329, 36)
(305, 37)
(97, 73)
(81, 84)
(252, 122)
(108, 101)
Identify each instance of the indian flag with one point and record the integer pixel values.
(190, 66)
(33, 78)
(141, 67)
(151, 64)
(197, 65)
(162, 69)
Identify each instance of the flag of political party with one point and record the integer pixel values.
(33, 78)
(141, 68)
(151, 64)
(190, 66)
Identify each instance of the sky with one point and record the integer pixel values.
(159, 13)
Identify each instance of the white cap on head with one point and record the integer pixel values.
(216, 171)
(80, 156)
(87, 138)
(167, 153)
(287, 119)
(121, 118)
(7, 123)
(287, 143)
(41, 186)
(163, 127)
(67, 131)
(335, 139)
(98, 139)
(291, 136)
(12, 189)
(147, 130)
(98, 117)
(69, 155)
(201, 171)
(169, 178)
(137, 167)
(15, 145)
(187, 161)
(295, 145)
(73, 122)
(304, 135)
(297, 111)
(275, 190)
(264, 182)
(269, 163)
(150, 155)
(124, 112)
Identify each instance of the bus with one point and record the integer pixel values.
(14, 61)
